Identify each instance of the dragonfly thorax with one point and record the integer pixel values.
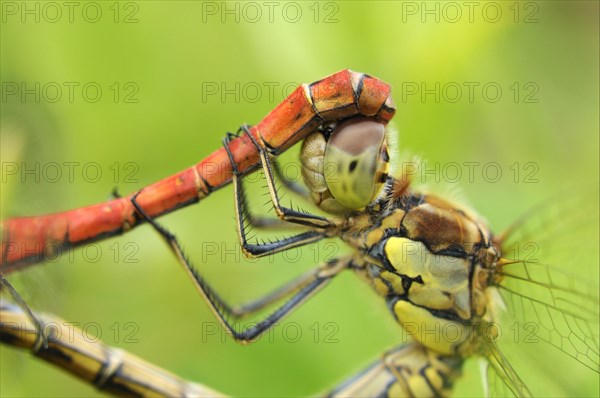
(431, 261)
(345, 166)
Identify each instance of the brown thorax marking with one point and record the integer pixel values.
(449, 235)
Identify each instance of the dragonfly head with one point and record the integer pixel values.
(346, 166)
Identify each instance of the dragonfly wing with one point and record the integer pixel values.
(550, 260)
(500, 379)
(555, 307)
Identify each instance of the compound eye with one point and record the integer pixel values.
(355, 161)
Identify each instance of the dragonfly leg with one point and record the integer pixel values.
(287, 214)
(242, 215)
(295, 285)
(290, 184)
(320, 277)
(41, 340)
(303, 289)
(269, 222)
(115, 194)
(277, 223)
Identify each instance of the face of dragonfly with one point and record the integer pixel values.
(345, 166)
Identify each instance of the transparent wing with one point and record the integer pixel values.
(555, 307)
(549, 283)
(563, 231)
(494, 385)
(500, 377)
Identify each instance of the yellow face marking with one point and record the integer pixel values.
(445, 280)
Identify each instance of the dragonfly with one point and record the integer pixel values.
(435, 263)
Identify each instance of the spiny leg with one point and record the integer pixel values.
(292, 185)
(276, 222)
(242, 215)
(272, 223)
(295, 285)
(240, 310)
(287, 214)
(304, 288)
(248, 308)
(41, 340)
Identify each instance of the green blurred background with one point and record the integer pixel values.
(155, 63)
